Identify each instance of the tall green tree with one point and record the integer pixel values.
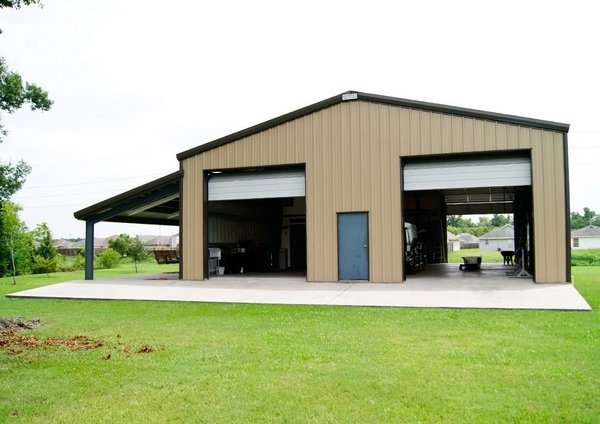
(484, 221)
(12, 178)
(458, 221)
(137, 251)
(16, 242)
(589, 217)
(15, 93)
(121, 244)
(499, 221)
(46, 256)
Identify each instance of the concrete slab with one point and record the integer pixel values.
(469, 291)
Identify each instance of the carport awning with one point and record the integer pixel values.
(156, 202)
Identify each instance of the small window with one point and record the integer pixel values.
(575, 242)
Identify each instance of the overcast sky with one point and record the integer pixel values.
(136, 82)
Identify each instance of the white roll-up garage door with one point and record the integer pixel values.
(257, 185)
(467, 173)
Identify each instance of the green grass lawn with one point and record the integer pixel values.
(162, 362)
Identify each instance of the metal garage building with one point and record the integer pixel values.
(327, 189)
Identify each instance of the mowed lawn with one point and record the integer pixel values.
(168, 362)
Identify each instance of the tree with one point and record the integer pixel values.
(12, 178)
(589, 217)
(108, 259)
(129, 247)
(14, 94)
(46, 255)
(121, 244)
(484, 221)
(16, 242)
(458, 221)
(137, 251)
(499, 221)
(16, 4)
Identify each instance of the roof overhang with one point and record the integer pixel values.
(156, 202)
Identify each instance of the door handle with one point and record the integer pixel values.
(365, 246)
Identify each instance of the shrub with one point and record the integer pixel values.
(108, 259)
(43, 265)
(71, 263)
(585, 259)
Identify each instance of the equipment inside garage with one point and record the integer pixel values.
(467, 185)
(257, 218)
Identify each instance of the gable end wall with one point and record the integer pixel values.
(351, 153)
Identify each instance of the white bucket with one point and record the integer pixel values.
(221, 270)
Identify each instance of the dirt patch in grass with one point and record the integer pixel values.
(18, 324)
(14, 342)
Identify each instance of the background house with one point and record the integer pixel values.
(151, 242)
(586, 238)
(453, 242)
(498, 240)
(468, 241)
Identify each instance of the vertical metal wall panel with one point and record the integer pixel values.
(548, 206)
(446, 133)
(351, 153)
(501, 137)
(541, 215)
(468, 143)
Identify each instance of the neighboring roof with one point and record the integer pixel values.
(506, 232)
(99, 242)
(157, 241)
(468, 238)
(374, 98)
(451, 237)
(156, 202)
(589, 231)
(62, 243)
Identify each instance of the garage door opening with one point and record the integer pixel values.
(470, 185)
(256, 221)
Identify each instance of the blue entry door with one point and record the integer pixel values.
(353, 246)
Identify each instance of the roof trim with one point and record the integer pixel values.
(99, 208)
(375, 98)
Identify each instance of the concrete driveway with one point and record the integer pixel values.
(468, 291)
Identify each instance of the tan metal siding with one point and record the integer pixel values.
(352, 154)
(549, 210)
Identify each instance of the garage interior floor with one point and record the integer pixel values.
(439, 286)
